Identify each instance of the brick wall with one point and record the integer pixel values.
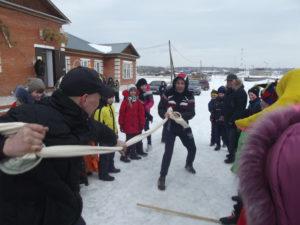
(18, 62)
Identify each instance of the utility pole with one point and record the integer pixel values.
(171, 63)
(200, 68)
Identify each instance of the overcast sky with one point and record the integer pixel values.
(211, 31)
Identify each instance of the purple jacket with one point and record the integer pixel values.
(270, 169)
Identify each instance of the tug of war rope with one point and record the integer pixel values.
(19, 165)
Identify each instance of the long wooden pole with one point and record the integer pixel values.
(196, 217)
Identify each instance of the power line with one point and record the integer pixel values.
(179, 53)
(154, 46)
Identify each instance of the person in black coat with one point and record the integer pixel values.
(49, 193)
(254, 103)
(162, 88)
(235, 105)
(219, 121)
(214, 95)
(180, 100)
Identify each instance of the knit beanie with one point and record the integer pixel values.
(222, 89)
(141, 82)
(214, 93)
(35, 84)
(255, 90)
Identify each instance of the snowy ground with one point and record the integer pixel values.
(207, 193)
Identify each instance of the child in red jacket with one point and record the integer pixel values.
(132, 121)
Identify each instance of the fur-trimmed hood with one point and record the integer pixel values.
(269, 169)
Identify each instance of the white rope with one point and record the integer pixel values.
(18, 165)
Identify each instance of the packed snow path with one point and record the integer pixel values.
(208, 193)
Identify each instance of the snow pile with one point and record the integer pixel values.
(102, 48)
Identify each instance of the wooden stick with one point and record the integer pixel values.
(180, 213)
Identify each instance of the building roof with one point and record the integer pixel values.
(119, 48)
(79, 44)
(48, 9)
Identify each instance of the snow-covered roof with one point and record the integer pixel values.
(79, 44)
(118, 48)
(101, 48)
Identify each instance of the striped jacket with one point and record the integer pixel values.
(183, 103)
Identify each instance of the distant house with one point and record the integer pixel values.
(32, 44)
(110, 60)
(30, 30)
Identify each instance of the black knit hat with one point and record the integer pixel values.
(140, 83)
(255, 90)
(222, 89)
(80, 81)
(231, 76)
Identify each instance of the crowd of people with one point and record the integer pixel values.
(261, 140)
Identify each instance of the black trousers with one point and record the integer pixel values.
(213, 132)
(233, 135)
(106, 163)
(187, 139)
(133, 149)
(220, 132)
(117, 97)
(163, 135)
(147, 127)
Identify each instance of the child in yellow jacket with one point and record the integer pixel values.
(106, 115)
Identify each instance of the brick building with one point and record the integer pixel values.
(30, 30)
(110, 60)
(32, 44)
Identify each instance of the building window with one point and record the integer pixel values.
(98, 66)
(68, 64)
(127, 69)
(85, 62)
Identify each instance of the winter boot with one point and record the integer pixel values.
(229, 160)
(161, 184)
(236, 198)
(106, 177)
(233, 219)
(134, 156)
(113, 169)
(125, 159)
(190, 169)
(142, 153)
(230, 220)
(217, 148)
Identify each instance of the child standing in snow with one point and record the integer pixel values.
(214, 95)
(132, 121)
(219, 113)
(146, 96)
(106, 115)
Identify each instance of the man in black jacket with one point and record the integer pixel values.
(180, 100)
(49, 193)
(235, 105)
